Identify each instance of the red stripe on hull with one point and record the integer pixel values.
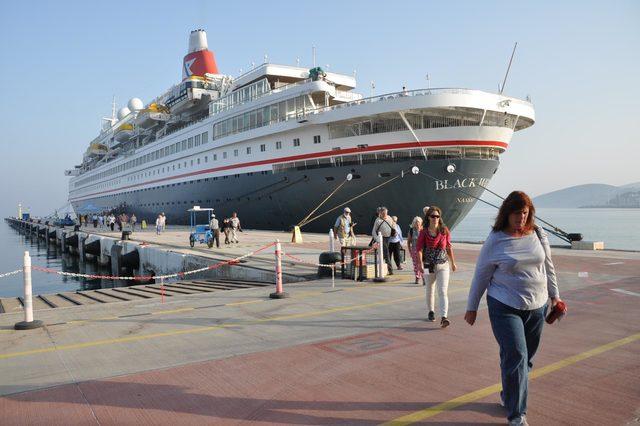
(320, 154)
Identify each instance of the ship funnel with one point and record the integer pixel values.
(197, 41)
(199, 61)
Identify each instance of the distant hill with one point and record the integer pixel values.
(591, 195)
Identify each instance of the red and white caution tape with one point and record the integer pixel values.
(6, 274)
(150, 277)
(362, 254)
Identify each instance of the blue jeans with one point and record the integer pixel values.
(518, 334)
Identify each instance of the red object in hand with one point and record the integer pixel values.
(557, 312)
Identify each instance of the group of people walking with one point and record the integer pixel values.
(514, 268)
(230, 227)
(109, 220)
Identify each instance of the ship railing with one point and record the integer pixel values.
(484, 153)
(405, 93)
(224, 105)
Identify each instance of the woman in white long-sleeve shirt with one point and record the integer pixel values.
(516, 271)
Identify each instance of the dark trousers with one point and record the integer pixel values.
(216, 237)
(518, 335)
(385, 253)
(112, 225)
(394, 252)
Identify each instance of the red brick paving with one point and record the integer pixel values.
(423, 366)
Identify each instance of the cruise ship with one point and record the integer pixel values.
(287, 145)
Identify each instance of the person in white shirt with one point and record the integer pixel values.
(235, 227)
(215, 229)
(387, 227)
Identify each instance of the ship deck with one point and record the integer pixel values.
(353, 354)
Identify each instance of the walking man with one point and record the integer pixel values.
(343, 228)
(395, 244)
(215, 228)
(235, 227)
(387, 227)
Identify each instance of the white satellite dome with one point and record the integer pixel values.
(135, 104)
(123, 112)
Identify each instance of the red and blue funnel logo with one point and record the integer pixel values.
(198, 64)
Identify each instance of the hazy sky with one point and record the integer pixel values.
(61, 63)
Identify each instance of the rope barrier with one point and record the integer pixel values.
(6, 274)
(150, 277)
(331, 265)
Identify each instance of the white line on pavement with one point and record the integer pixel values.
(630, 293)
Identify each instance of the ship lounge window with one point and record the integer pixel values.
(224, 154)
(316, 139)
(279, 145)
(263, 148)
(205, 137)
(190, 143)
(423, 119)
(198, 160)
(235, 152)
(215, 157)
(248, 150)
(192, 162)
(296, 142)
(197, 140)
(184, 144)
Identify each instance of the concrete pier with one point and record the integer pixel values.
(359, 353)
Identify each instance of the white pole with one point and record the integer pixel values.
(333, 276)
(28, 322)
(379, 273)
(279, 293)
(28, 302)
(332, 246)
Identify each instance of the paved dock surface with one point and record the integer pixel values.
(349, 354)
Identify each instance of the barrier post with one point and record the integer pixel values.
(162, 289)
(28, 323)
(333, 276)
(379, 272)
(332, 246)
(279, 294)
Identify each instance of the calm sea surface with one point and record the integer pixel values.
(13, 245)
(618, 228)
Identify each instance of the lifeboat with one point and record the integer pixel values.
(124, 132)
(97, 149)
(152, 115)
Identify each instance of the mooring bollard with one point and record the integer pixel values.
(28, 323)
(379, 273)
(279, 294)
(332, 246)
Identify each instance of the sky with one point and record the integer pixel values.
(62, 62)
